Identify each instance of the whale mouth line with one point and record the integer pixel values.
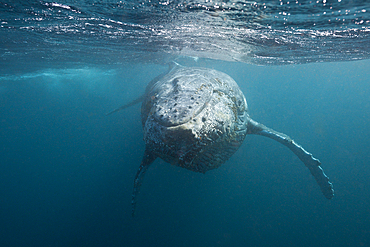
(173, 117)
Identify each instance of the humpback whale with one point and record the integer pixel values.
(197, 118)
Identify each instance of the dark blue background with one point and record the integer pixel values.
(67, 170)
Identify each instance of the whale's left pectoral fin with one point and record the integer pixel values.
(148, 159)
(313, 164)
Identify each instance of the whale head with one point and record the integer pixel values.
(189, 115)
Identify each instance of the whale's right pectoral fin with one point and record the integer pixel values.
(148, 159)
(313, 164)
(134, 102)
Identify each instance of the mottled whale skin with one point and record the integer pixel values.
(197, 118)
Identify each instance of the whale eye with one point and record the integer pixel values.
(174, 81)
(239, 102)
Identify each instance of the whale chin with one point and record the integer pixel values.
(193, 145)
(177, 145)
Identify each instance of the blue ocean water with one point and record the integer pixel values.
(67, 170)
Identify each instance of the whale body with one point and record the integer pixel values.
(197, 118)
